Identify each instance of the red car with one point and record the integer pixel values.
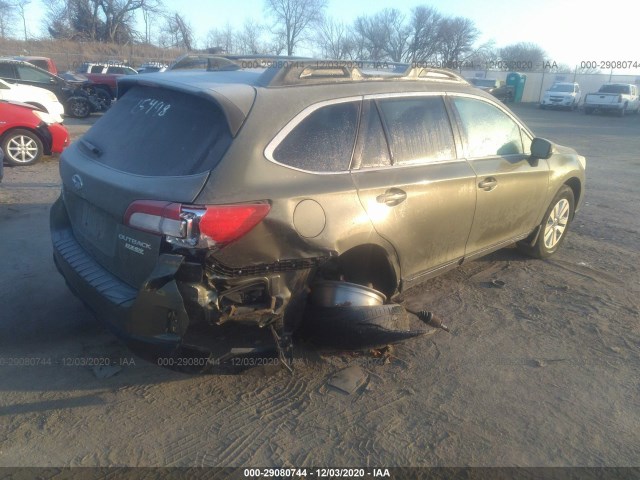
(27, 133)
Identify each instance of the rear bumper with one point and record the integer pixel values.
(111, 300)
(604, 106)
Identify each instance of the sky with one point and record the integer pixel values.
(570, 32)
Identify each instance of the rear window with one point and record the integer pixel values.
(625, 89)
(158, 132)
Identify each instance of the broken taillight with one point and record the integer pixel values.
(201, 226)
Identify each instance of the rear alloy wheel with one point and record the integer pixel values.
(22, 147)
(553, 228)
(79, 108)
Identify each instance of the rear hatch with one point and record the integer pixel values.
(158, 142)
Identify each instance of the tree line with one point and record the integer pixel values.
(422, 34)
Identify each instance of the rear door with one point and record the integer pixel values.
(509, 185)
(418, 193)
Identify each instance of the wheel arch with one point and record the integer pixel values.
(576, 186)
(371, 263)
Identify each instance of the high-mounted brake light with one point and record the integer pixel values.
(199, 226)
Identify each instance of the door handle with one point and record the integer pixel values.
(488, 184)
(392, 197)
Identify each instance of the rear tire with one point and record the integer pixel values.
(622, 111)
(554, 226)
(104, 98)
(357, 328)
(22, 147)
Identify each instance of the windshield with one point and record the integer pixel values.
(614, 89)
(558, 87)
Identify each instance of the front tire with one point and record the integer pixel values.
(554, 226)
(78, 108)
(622, 111)
(22, 147)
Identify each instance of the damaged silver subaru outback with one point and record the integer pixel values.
(241, 196)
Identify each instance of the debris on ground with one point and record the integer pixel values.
(349, 379)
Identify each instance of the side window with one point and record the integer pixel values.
(323, 141)
(375, 151)
(96, 69)
(32, 75)
(419, 130)
(487, 129)
(7, 71)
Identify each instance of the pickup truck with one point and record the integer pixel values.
(104, 77)
(617, 97)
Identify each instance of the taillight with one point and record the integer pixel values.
(201, 226)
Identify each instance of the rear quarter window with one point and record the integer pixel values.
(323, 141)
(160, 132)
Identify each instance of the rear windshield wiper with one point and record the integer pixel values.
(91, 147)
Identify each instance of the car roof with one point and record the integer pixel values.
(235, 89)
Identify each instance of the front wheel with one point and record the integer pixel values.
(22, 147)
(553, 228)
(622, 111)
(79, 108)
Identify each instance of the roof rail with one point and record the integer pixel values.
(280, 71)
(312, 72)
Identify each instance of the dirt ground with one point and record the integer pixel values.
(542, 372)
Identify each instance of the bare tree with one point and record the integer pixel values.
(7, 18)
(249, 41)
(457, 35)
(522, 55)
(424, 39)
(483, 57)
(179, 32)
(150, 10)
(222, 39)
(97, 20)
(21, 4)
(335, 40)
(294, 18)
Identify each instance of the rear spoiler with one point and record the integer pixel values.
(235, 100)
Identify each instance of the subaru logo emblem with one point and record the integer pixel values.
(77, 181)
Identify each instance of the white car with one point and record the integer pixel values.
(39, 97)
(562, 95)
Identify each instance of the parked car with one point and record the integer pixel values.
(76, 94)
(562, 95)
(27, 133)
(497, 88)
(44, 63)
(104, 77)
(273, 183)
(45, 100)
(613, 97)
(152, 67)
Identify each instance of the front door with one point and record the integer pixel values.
(509, 184)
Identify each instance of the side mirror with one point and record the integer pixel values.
(541, 148)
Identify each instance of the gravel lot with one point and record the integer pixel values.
(542, 372)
